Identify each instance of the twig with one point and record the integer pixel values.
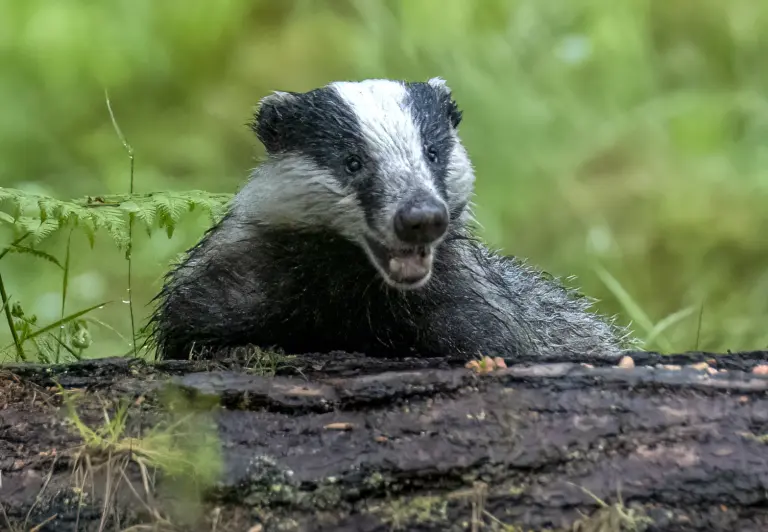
(40, 526)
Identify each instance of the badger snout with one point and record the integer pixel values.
(421, 222)
(404, 256)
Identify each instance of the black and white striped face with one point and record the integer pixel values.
(378, 161)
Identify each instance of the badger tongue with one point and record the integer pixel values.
(412, 265)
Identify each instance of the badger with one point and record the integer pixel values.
(356, 234)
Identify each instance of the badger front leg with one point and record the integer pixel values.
(211, 301)
(201, 314)
(503, 308)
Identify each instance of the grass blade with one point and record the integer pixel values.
(631, 307)
(664, 324)
(65, 346)
(64, 320)
(108, 327)
(698, 328)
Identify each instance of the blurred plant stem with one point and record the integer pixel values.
(129, 249)
(20, 356)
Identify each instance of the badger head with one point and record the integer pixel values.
(378, 162)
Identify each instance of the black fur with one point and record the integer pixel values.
(249, 282)
(317, 292)
(435, 114)
(317, 123)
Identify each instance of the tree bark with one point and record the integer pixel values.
(350, 443)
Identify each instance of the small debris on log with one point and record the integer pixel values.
(626, 362)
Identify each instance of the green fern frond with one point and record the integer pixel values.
(44, 230)
(42, 216)
(36, 252)
(88, 226)
(38, 230)
(169, 210)
(146, 216)
(46, 349)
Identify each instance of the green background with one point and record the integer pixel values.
(629, 135)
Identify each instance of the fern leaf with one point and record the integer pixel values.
(44, 230)
(171, 207)
(146, 214)
(5, 193)
(18, 240)
(130, 207)
(66, 212)
(169, 211)
(111, 220)
(45, 351)
(18, 210)
(47, 208)
(36, 252)
(88, 227)
(36, 230)
(11, 197)
(42, 216)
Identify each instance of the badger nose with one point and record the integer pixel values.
(421, 222)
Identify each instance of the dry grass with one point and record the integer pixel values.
(183, 449)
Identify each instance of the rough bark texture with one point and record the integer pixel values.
(345, 442)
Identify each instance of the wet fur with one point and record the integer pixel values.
(283, 270)
(312, 291)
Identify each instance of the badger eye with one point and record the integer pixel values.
(432, 154)
(353, 164)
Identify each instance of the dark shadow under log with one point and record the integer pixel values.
(345, 442)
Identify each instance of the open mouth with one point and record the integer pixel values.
(402, 267)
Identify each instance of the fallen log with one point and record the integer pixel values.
(350, 443)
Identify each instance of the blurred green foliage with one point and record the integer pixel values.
(623, 137)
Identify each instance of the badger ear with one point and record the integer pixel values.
(268, 119)
(439, 84)
(446, 96)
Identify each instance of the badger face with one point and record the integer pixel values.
(377, 161)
